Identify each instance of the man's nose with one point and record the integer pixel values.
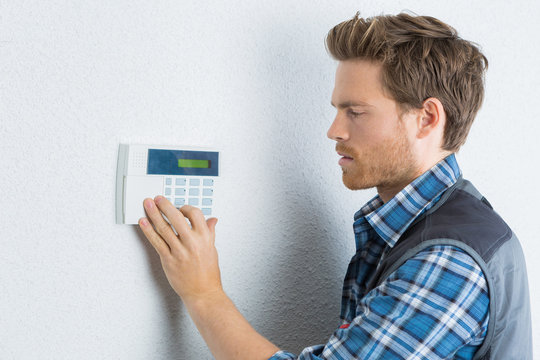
(338, 131)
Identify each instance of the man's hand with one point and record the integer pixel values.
(189, 259)
(190, 262)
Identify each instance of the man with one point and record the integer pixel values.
(437, 273)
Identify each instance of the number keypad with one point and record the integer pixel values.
(181, 190)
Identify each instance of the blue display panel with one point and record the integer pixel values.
(182, 162)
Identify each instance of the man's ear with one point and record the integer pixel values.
(431, 117)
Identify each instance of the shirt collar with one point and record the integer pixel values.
(390, 220)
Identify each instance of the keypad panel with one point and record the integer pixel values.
(182, 190)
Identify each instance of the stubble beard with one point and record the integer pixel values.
(390, 164)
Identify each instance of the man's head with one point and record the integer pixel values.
(423, 86)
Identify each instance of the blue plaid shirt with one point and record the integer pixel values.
(435, 306)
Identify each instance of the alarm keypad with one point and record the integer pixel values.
(181, 190)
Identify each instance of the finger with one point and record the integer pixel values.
(195, 216)
(157, 241)
(175, 217)
(211, 223)
(162, 227)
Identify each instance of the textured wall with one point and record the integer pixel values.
(251, 79)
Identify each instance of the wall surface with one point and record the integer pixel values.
(252, 79)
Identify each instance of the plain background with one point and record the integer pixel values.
(253, 80)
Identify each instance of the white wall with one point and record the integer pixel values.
(252, 79)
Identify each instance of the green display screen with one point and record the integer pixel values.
(192, 163)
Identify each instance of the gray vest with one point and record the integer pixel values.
(465, 219)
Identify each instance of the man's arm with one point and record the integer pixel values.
(190, 262)
(435, 304)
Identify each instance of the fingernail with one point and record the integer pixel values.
(148, 203)
(158, 199)
(144, 221)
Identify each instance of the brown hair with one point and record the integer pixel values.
(422, 57)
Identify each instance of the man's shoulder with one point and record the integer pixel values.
(464, 217)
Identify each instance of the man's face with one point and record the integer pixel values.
(368, 131)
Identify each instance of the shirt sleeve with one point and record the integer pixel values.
(433, 306)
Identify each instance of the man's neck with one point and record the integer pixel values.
(386, 193)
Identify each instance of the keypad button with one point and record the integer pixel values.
(193, 192)
(179, 201)
(168, 181)
(208, 182)
(193, 201)
(206, 211)
(167, 191)
(206, 201)
(194, 182)
(180, 182)
(207, 192)
(179, 191)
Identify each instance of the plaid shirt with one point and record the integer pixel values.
(435, 306)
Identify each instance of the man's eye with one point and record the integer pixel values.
(355, 114)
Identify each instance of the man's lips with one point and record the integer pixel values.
(344, 155)
(346, 159)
